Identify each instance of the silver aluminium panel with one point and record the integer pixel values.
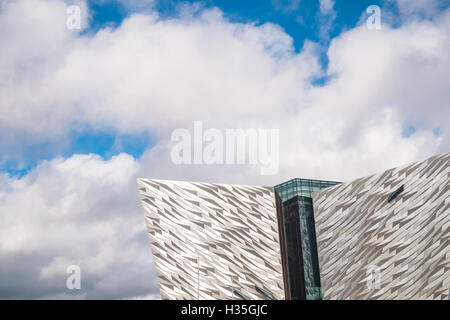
(370, 248)
(208, 240)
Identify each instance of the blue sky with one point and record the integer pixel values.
(301, 20)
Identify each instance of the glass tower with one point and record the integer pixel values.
(299, 248)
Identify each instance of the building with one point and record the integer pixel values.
(381, 237)
(299, 251)
(387, 236)
(213, 241)
(216, 241)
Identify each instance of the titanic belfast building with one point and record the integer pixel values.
(385, 236)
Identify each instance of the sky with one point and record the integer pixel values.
(85, 112)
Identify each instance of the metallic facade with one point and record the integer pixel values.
(213, 241)
(377, 240)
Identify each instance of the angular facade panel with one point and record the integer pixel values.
(213, 241)
(387, 236)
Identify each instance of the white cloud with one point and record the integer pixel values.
(150, 72)
(158, 74)
(79, 211)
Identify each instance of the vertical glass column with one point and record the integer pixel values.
(300, 236)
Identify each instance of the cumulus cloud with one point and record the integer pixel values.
(147, 73)
(78, 211)
(158, 74)
(154, 74)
